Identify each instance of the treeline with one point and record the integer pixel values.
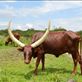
(62, 29)
(30, 32)
(23, 33)
(80, 33)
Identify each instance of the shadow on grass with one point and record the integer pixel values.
(47, 71)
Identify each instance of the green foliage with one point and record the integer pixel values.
(26, 33)
(3, 32)
(25, 36)
(60, 29)
(80, 33)
(2, 40)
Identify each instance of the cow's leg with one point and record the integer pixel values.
(43, 61)
(37, 63)
(80, 61)
(75, 63)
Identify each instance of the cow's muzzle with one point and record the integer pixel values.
(26, 61)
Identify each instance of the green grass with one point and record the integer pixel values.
(13, 69)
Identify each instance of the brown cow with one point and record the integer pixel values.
(8, 40)
(56, 43)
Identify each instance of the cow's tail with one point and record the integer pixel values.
(80, 48)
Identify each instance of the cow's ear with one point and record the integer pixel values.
(20, 49)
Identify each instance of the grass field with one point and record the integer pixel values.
(13, 69)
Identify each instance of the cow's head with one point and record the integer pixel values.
(27, 49)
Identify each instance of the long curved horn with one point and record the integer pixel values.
(42, 39)
(12, 36)
(37, 43)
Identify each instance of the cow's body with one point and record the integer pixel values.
(8, 40)
(57, 43)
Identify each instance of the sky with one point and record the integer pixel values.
(36, 14)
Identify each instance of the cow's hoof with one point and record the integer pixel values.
(73, 73)
(43, 69)
(35, 73)
(81, 73)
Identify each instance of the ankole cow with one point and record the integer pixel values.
(9, 40)
(55, 43)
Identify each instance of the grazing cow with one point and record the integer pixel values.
(8, 40)
(56, 43)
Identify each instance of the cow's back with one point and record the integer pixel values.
(56, 42)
